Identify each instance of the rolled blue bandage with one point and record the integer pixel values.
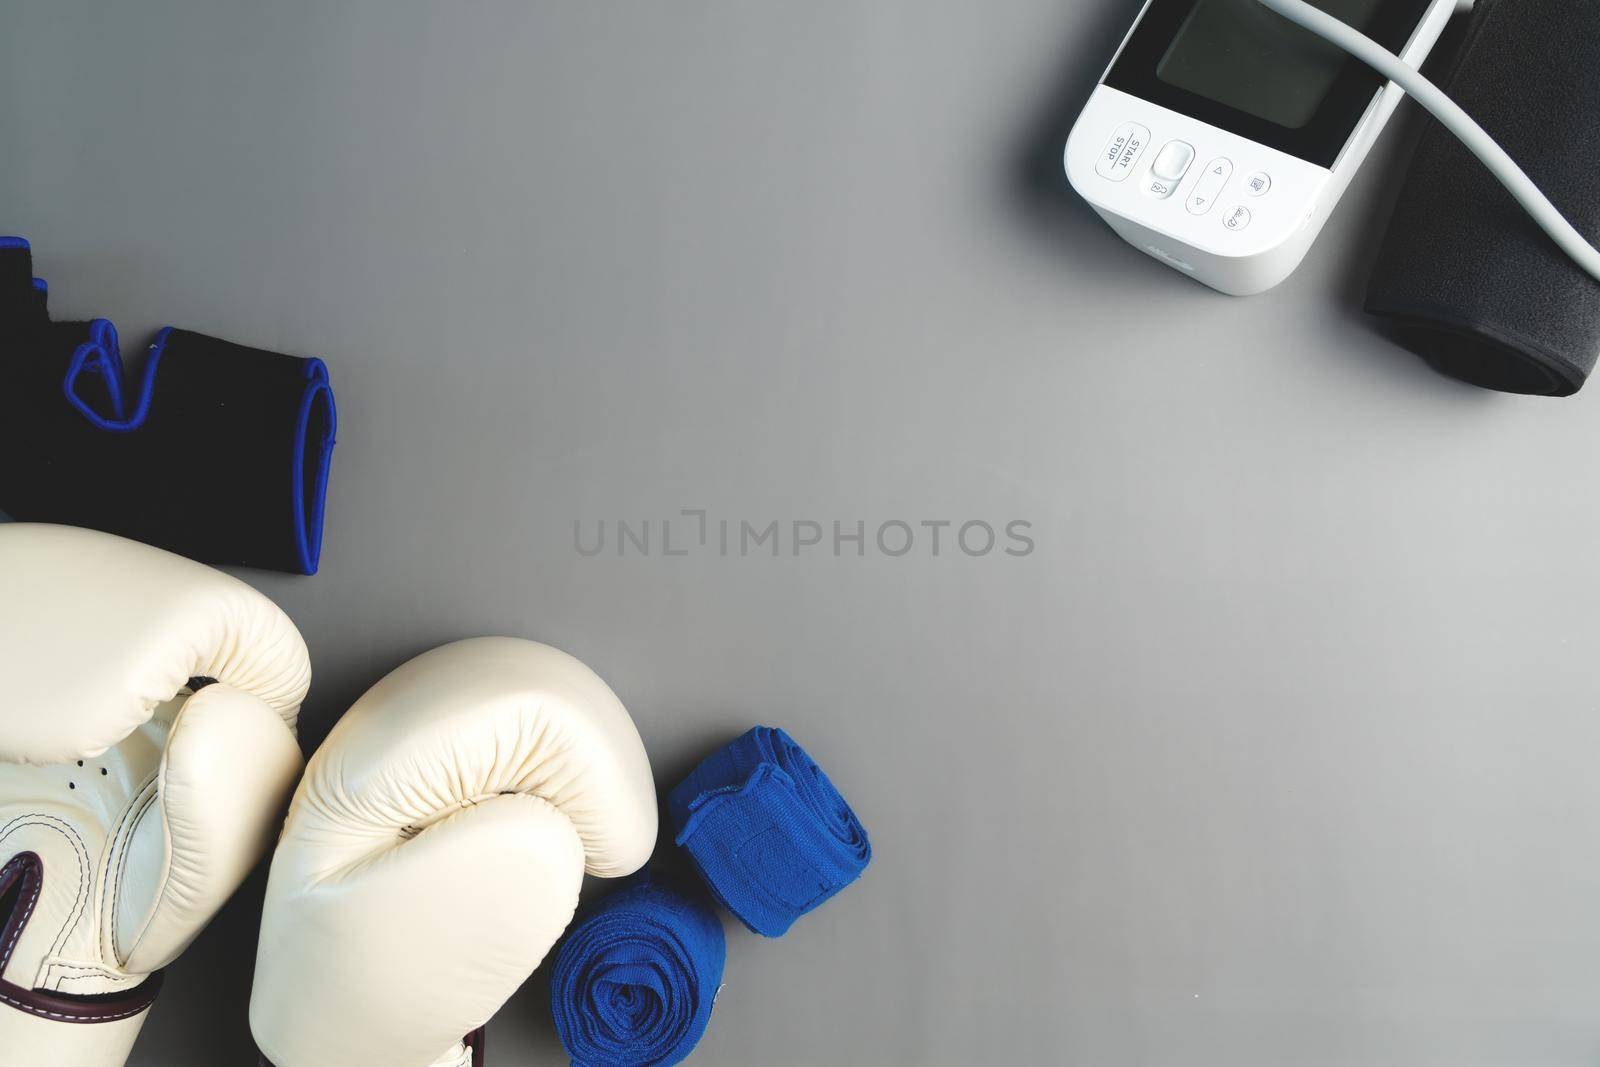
(634, 981)
(769, 833)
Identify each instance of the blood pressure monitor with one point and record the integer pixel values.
(1222, 135)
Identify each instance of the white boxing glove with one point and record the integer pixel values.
(434, 851)
(147, 712)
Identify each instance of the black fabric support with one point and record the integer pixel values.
(209, 449)
(1464, 278)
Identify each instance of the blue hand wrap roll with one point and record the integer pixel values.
(769, 833)
(634, 981)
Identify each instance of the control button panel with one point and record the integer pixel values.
(1166, 173)
(1171, 164)
(1205, 192)
(1122, 151)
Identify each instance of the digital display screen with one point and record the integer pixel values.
(1247, 57)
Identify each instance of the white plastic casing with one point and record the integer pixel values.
(1239, 259)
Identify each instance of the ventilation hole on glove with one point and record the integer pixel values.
(72, 785)
(80, 763)
(104, 771)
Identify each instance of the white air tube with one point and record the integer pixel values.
(1458, 122)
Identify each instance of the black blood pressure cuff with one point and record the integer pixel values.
(209, 449)
(1465, 279)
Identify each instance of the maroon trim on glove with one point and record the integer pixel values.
(21, 878)
(98, 1008)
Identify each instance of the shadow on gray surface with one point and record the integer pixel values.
(1038, 183)
(204, 1007)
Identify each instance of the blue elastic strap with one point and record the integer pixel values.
(93, 355)
(635, 980)
(308, 506)
(767, 830)
(100, 355)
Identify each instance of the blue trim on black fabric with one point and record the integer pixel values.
(12, 241)
(104, 334)
(41, 286)
(101, 355)
(308, 522)
(121, 423)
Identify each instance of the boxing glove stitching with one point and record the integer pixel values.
(49, 822)
(109, 934)
(34, 1009)
(122, 833)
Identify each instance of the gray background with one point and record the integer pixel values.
(1278, 749)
